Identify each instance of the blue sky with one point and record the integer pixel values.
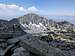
(43, 7)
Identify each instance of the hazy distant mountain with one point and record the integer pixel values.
(65, 22)
(63, 18)
(3, 21)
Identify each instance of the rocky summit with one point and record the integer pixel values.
(34, 35)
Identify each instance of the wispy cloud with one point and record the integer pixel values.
(11, 7)
(12, 10)
(33, 9)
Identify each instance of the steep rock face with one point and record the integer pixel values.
(34, 23)
(33, 18)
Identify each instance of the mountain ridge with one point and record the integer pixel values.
(35, 23)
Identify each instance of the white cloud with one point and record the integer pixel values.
(22, 9)
(32, 9)
(11, 7)
(12, 10)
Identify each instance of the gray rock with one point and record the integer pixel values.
(20, 52)
(41, 48)
(54, 52)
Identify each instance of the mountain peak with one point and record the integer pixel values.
(32, 17)
(34, 22)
